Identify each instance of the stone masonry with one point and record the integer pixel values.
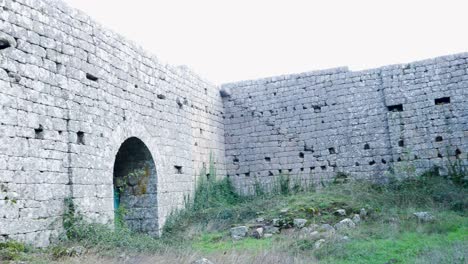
(71, 93)
(82, 110)
(314, 125)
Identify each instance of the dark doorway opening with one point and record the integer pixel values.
(135, 192)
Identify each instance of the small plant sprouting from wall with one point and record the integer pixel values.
(210, 191)
(341, 177)
(119, 217)
(283, 184)
(458, 172)
(71, 219)
(258, 188)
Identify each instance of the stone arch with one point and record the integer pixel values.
(135, 186)
(119, 134)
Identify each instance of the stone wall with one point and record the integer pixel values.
(71, 92)
(314, 125)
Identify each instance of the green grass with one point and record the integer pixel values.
(405, 249)
(380, 244)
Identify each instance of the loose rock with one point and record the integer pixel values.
(271, 230)
(318, 244)
(356, 219)
(202, 261)
(326, 227)
(326, 231)
(313, 227)
(75, 251)
(363, 213)
(299, 222)
(345, 224)
(344, 239)
(424, 216)
(239, 232)
(258, 233)
(341, 212)
(315, 235)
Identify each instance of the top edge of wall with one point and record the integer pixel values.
(183, 71)
(278, 78)
(347, 71)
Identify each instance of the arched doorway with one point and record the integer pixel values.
(135, 181)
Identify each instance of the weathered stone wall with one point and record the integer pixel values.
(313, 125)
(71, 92)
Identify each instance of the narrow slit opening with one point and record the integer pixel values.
(442, 101)
(91, 77)
(395, 108)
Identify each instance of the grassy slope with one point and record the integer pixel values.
(377, 240)
(388, 235)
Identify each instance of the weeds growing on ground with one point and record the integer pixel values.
(12, 250)
(389, 234)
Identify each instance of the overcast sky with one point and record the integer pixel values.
(235, 40)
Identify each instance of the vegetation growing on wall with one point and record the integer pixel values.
(136, 181)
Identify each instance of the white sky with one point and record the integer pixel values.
(234, 40)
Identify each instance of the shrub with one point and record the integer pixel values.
(283, 184)
(11, 250)
(212, 192)
(458, 172)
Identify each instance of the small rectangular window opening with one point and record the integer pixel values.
(178, 169)
(80, 138)
(91, 77)
(395, 108)
(442, 101)
(401, 143)
(39, 132)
